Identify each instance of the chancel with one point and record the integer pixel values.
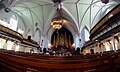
(59, 35)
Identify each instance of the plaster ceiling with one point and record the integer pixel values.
(78, 13)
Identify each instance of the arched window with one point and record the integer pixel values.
(2, 41)
(9, 45)
(86, 33)
(13, 23)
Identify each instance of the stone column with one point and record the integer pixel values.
(99, 48)
(113, 40)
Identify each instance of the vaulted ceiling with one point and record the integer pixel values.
(77, 13)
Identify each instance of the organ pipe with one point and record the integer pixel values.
(69, 40)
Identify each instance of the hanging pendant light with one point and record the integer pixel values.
(57, 22)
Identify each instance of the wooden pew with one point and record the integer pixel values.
(53, 64)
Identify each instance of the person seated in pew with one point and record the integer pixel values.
(92, 51)
(77, 51)
(44, 50)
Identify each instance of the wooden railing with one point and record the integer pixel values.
(30, 43)
(105, 21)
(7, 32)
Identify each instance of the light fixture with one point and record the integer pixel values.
(57, 22)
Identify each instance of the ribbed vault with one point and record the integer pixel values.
(77, 13)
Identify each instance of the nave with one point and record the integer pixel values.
(59, 35)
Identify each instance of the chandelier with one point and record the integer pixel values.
(57, 22)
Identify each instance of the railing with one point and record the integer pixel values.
(105, 21)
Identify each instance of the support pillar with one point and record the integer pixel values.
(99, 48)
(113, 40)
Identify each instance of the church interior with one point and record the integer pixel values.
(59, 35)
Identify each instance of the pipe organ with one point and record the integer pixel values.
(61, 38)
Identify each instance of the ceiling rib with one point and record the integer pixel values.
(42, 18)
(30, 14)
(77, 13)
(86, 12)
(22, 14)
(90, 15)
(98, 12)
(20, 18)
